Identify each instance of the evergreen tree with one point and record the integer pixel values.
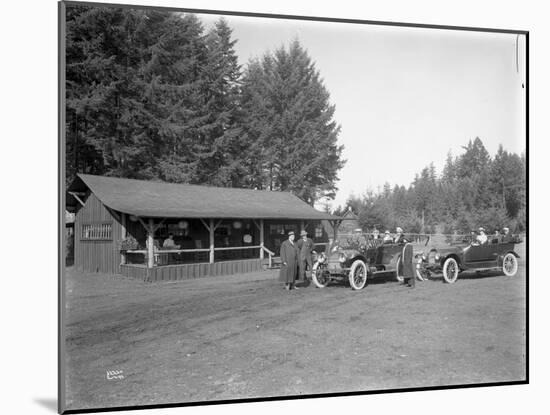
(259, 162)
(507, 178)
(449, 171)
(132, 91)
(97, 64)
(473, 170)
(219, 161)
(294, 126)
(473, 191)
(171, 84)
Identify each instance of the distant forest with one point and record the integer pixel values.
(154, 95)
(473, 190)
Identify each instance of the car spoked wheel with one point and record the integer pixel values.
(450, 270)
(399, 271)
(358, 275)
(510, 265)
(320, 275)
(422, 274)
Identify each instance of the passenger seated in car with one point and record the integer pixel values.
(496, 238)
(357, 240)
(481, 237)
(506, 235)
(399, 237)
(387, 238)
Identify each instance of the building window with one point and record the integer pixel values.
(97, 231)
(318, 231)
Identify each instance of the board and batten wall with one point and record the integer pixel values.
(96, 255)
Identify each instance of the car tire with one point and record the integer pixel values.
(450, 270)
(358, 275)
(318, 275)
(421, 274)
(510, 265)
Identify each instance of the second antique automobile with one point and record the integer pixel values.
(355, 262)
(466, 255)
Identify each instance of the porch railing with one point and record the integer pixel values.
(186, 256)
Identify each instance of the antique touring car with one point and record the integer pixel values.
(357, 261)
(462, 256)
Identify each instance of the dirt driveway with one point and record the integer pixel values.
(243, 336)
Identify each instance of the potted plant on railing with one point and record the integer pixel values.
(128, 244)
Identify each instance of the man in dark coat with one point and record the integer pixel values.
(289, 262)
(408, 268)
(305, 247)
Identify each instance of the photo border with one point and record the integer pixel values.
(62, 189)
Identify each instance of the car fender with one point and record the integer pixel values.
(500, 258)
(361, 257)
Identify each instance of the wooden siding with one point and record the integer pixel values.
(190, 271)
(96, 255)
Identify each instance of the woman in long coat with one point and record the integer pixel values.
(289, 262)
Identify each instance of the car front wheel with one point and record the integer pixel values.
(320, 275)
(422, 274)
(450, 270)
(358, 275)
(510, 265)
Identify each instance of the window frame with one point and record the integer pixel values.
(100, 237)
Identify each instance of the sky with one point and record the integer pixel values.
(404, 97)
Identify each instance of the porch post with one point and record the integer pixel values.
(151, 244)
(261, 239)
(335, 225)
(123, 236)
(302, 226)
(211, 241)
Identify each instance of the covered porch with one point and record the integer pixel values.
(168, 231)
(207, 246)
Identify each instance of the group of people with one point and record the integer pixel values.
(296, 258)
(358, 237)
(481, 237)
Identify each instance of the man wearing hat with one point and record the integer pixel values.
(399, 237)
(506, 236)
(289, 262)
(305, 248)
(481, 237)
(387, 237)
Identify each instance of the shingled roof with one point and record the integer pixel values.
(173, 200)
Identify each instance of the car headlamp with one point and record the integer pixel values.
(424, 257)
(342, 257)
(437, 256)
(321, 258)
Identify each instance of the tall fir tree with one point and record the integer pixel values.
(296, 129)
(474, 190)
(132, 91)
(221, 143)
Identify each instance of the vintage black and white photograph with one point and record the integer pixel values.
(263, 206)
